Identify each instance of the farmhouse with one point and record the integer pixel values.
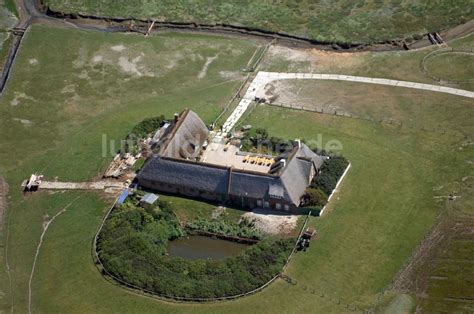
(183, 163)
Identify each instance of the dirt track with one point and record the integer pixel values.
(3, 200)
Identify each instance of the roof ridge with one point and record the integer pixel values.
(175, 128)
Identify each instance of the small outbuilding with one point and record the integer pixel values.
(149, 199)
(121, 199)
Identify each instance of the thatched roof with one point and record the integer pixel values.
(184, 138)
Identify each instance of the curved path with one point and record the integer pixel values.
(263, 78)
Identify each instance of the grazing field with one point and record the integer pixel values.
(58, 106)
(55, 112)
(447, 66)
(395, 105)
(342, 21)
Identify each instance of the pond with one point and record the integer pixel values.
(201, 247)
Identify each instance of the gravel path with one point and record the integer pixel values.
(263, 78)
(256, 89)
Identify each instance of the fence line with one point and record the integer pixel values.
(343, 114)
(139, 290)
(434, 53)
(227, 106)
(254, 65)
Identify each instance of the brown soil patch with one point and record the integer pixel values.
(318, 60)
(338, 60)
(271, 222)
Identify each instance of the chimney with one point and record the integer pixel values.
(176, 117)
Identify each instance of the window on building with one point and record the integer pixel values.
(278, 206)
(259, 203)
(287, 207)
(266, 204)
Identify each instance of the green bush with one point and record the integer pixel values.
(262, 143)
(147, 126)
(140, 131)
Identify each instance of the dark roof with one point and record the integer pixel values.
(252, 184)
(306, 152)
(184, 138)
(289, 184)
(186, 174)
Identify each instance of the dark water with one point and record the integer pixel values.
(200, 247)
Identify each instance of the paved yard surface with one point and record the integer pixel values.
(215, 154)
(97, 185)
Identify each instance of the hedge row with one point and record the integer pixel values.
(325, 182)
(333, 168)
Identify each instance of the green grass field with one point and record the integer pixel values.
(399, 105)
(446, 66)
(344, 21)
(58, 106)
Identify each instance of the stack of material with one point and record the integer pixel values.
(120, 165)
(33, 182)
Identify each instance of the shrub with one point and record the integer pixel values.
(132, 247)
(244, 229)
(262, 143)
(315, 197)
(147, 126)
(331, 170)
(262, 133)
(141, 131)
